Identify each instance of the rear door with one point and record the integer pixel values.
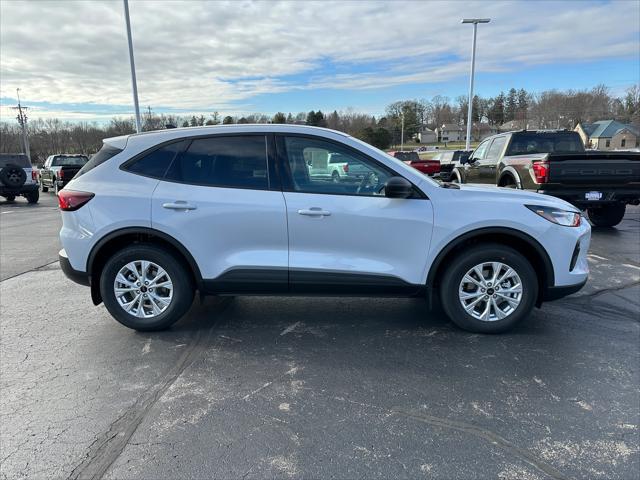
(487, 171)
(222, 201)
(347, 237)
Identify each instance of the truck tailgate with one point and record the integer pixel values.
(594, 168)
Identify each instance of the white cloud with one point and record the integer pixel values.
(199, 55)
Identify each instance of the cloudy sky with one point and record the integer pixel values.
(70, 58)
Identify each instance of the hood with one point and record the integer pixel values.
(514, 195)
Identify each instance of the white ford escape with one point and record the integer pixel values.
(233, 210)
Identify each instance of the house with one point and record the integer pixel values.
(451, 132)
(608, 135)
(518, 125)
(480, 131)
(426, 135)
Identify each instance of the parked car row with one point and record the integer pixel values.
(556, 163)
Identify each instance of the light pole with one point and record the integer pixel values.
(475, 22)
(133, 67)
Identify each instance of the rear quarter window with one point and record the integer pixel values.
(105, 153)
(156, 163)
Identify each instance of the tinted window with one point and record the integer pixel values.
(407, 156)
(156, 163)
(552, 142)
(478, 153)
(312, 172)
(69, 161)
(239, 161)
(496, 147)
(105, 153)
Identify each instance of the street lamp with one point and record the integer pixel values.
(133, 67)
(475, 22)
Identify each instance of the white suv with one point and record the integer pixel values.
(233, 210)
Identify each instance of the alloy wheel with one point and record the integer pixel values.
(143, 289)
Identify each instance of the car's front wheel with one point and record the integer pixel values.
(146, 288)
(488, 288)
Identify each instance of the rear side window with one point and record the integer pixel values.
(11, 159)
(496, 147)
(235, 162)
(156, 163)
(105, 153)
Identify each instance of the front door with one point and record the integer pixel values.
(347, 237)
(472, 167)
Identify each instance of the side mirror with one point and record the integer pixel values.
(398, 187)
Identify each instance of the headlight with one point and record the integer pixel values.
(556, 215)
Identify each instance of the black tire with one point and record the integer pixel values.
(44, 189)
(465, 261)
(33, 197)
(335, 177)
(508, 182)
(606, 216)
(13, 176)
(454, 178)
(183, 288)
(10, 198)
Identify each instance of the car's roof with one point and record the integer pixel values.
(170, 133)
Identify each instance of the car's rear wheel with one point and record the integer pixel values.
(488, 288)
(10, 198)
(146, 288)
(607, 216)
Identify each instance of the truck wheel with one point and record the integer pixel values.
(607, 216)
(335, 177)
(33, 197)
(488, 289)
(10, 198)
(44, 189)
(455, 178)
(146, 288)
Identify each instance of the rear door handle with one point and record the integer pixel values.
(314, 212)
(179, 205)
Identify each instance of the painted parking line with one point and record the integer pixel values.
(631, 266)
(593, 255)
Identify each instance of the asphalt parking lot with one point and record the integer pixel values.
(258, 387)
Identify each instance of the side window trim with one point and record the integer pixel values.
(284, 169)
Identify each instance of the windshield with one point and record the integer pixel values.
(14, 159)
(552, 142)
(69, 161)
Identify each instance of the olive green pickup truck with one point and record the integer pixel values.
(555, 162)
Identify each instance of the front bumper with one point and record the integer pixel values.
(555, 293)
(81, 278)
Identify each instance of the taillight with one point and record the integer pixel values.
(540, 171)
(61, 174)
(34, 175)
(345, 167)
(69, 200)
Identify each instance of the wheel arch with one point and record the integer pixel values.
(131, 235)
(510, 172)
(520, 241)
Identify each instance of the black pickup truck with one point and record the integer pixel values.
(556, 163)
(58, 170)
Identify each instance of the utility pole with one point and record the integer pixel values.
(22, 120)
(402, 131)
(475, 22)
(134, 84)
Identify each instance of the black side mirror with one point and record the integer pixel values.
(398, 187)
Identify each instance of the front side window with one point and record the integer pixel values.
(234, 162)
(478, 154)
(312, 171)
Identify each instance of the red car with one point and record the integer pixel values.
(428, 167)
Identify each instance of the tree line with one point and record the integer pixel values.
(547, 109)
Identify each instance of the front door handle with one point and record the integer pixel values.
(314, 212)
(179, 205)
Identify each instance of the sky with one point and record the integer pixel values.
(70, 59)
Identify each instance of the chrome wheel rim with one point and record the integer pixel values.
(490, 291)
(143, 289)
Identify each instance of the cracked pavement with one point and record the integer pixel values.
(258, 387)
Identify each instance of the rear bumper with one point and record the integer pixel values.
(81, 278)
(555, 293)
(26, 188)
(610, 195)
